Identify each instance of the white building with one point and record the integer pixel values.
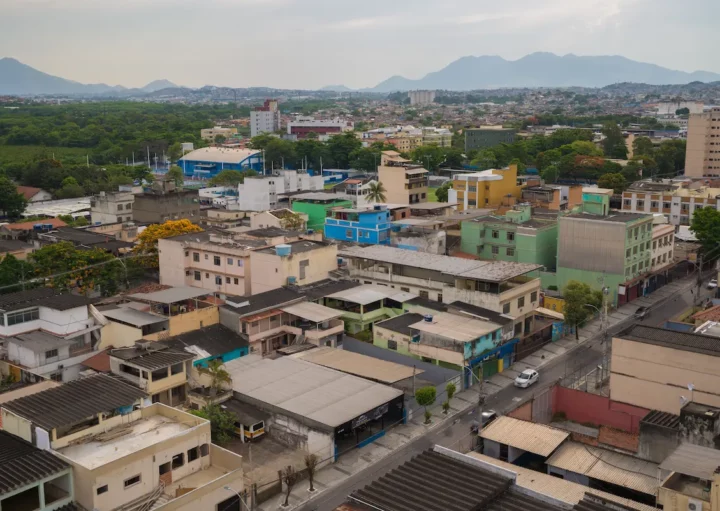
(47, 331)
(111, 208)
(670, 107)
(265, 119)
(421, 97)
(302, 126)
(258, 193)
(663, 244)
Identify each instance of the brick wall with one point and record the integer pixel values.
(586, 408)
(522, 412)
(584, 439)
(619, 439)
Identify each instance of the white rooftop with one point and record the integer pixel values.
(306, 390)
(219, 155)
(311, 311)
(456, 327)
(123, 440)
(368, 293)
(56, 208)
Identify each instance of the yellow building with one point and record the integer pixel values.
(405, 182)
(404, 142)
(488, 188)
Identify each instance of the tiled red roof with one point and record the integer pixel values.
(27, 226)
(711, 314)
(28, 191)
(99, 362)
(463, 255)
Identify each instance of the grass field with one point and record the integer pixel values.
(26, 153)
(431, 195)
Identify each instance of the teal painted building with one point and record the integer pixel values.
(602, 247)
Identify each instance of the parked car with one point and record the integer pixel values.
(712, 284)
(526, 378)
(641, 312)
(487, 418)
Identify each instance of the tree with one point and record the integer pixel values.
(376, 192)
(290, 478)
(311, 463)
(340, 147)
(642, 146)
(578, 296)
(682, 111)
(231, 178)
(485, 159)
(450, 390)
(261, 141)
(70, 189)
(521, 167)
(614, 142)
(706, 226)
(441, 193)
(293, 222)
(615, 181)
(446, 407)
(425, 396)
(278, 152)
(219, 377)
(11, 202)
(13, 272)
(176, 174)
(148, 240)
(550, 174)
(222, 423)
(430, 156)
(175, 151)
(220, 139)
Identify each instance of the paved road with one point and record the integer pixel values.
(456, 434)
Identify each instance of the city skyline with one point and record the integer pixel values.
(222, 43)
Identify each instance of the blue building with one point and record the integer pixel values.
(214, 342)
(209, 161)
(369, 226)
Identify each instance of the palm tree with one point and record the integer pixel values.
(218, 375)
(376, 192)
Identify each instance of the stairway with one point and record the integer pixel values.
(161, 501)
(148, 501)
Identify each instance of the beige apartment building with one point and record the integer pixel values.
(211, 133)
(123, 453)
(405, 181)
(661, 369)
(702, 156)
(404, 142)
(663, 246)
(677, 204)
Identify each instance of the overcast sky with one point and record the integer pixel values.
(358, 43)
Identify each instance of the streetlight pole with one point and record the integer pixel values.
(238, 495)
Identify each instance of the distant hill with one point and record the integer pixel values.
(157, 85)
(542, 70)
(336, 88)
(20, 79)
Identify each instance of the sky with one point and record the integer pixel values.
(358, 43)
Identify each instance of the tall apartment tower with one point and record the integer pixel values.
(265, 119)
(421, 97)
(702, 157)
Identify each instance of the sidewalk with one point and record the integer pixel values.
(359, 459)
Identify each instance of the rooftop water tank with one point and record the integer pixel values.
(283, 250)
(428, 318)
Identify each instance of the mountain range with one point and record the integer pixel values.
(542, 70)
(17, 78)
(466, 73)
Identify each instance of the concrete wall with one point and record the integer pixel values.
(16, 425)
(591, 245)
(296, 435)
(271, 271)
(491, 448)
(657, 377)
(53, 321)
(655, 443)
(584, 407)
(118, 335)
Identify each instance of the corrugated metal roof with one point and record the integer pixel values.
(609, 466)
(311, 311)
(528, 436)
(673, 339)
(359, 365)
(172, 295)
(662, 419)
(21, 463)
(560, 489)
(693, 460)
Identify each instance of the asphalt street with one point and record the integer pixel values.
(456, 434)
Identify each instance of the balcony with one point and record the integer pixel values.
(334, 327)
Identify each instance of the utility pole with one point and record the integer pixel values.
(414, 380)
(699, 278)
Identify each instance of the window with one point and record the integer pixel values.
(654, 245)
(15, 318)
(198, 275)
(533, 296)
(196, 257)
(506, 308)
(102, 489)
(216, 260)
(229, 261)
(424, 294)
(635, 249)
(392, 345)
(653, 204)
(521, 302)
(204, 450)
(227, 280)
(119, 219)
(303, 268)
(518, 329)
(627, 253)
(510, 251)
(240, 262)
(164, 468)
(187, 253)
(641, 204)
(207, 275)
(178, 460)
(627, 203)
(236, 282)
(218, 281)
(193, 454)
(495, 250)
(56, 376)
(496, 234)
(666, 205)
(511, 236)
(132, 481)
(51, 353)
(439, 297)
(348, 233)
(177, 368)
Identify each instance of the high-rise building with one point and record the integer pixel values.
(421, 97)
(702, 156)
(265, 119)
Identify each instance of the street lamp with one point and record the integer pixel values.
(238, 495)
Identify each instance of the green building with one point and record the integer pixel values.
(317, 206)
(487, 136)
(602, 247)
(520, 236)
